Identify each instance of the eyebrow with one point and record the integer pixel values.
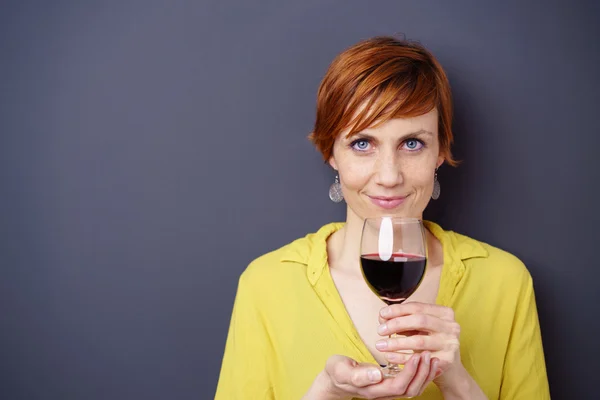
(410, 134)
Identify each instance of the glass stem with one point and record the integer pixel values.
(391, 369)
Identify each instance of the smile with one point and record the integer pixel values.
(387, 202)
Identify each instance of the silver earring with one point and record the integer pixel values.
(436, 188)
(335, 191)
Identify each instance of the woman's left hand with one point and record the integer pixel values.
(430, 328)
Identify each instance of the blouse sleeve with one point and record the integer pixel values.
(245, 367)
(524, 374)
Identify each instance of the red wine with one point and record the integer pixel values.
(396, 279)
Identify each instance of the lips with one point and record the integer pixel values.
(387, 202)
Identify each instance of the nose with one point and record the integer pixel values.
(388, 171)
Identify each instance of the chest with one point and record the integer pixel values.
(363, 306)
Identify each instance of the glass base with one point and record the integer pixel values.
(391, 370)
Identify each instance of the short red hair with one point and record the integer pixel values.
(394, 78)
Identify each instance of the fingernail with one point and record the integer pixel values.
(385, 312)
(382, 329)
(374, 375)
(380, 345)
(427, 358)
(415, 361)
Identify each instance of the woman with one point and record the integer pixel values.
(303, 322)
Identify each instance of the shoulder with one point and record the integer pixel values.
(482, 262)
(491, 262)
(287, 263)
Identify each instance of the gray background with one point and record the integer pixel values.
(149, 150)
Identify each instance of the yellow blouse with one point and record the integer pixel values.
(288, 318)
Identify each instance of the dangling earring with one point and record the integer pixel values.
(335, 191)
(436, 187)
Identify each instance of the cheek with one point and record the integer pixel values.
(421, 170)
(351, 169)
(355, 176)
(423, 178)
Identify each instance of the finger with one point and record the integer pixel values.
(416, 322)
(413, 307)
(407, 333)
(433, 371)
(401, 382)
(415, 343)
(415, 386)
(393, 387)
(398, 358)
(345, 371)
(432, 374)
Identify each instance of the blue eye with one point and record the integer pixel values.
(413, 144)
(360, 145)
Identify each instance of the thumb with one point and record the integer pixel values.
(345, 371)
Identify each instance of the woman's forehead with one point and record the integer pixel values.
(419, 124)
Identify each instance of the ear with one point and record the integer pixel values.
(332, 162)
(440, 161)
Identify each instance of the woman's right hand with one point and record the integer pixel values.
(344, 378)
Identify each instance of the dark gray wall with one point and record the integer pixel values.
(150, 149)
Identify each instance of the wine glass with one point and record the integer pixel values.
(393, 259)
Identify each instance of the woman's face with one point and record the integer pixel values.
(389, 170)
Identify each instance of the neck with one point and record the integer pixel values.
(343, 247)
